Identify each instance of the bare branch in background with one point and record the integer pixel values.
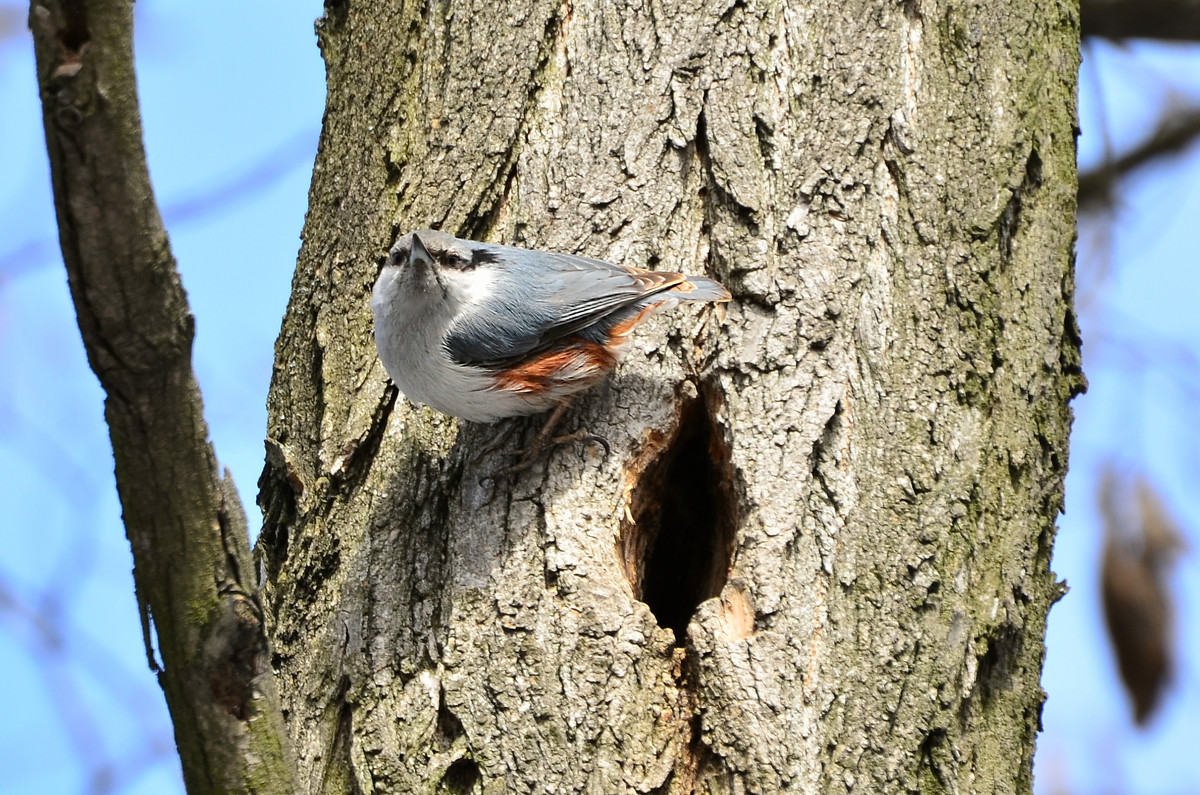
(258, 177)
(10, 24)
(1168, 20)
(66, 656)
(192, 571)
(1173, 134)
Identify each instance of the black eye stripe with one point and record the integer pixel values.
(482, 256)
(455, 260)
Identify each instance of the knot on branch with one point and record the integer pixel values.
(234, 655)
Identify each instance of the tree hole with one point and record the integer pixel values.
(676, 552)
(461, 778)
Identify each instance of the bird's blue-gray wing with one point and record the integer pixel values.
(544, 297)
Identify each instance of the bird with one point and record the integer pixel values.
(484, 331)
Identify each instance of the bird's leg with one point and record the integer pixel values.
(544, 440)
(543, 435)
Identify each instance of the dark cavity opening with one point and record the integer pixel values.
(461, 777)
(676, 552)
(449, 727)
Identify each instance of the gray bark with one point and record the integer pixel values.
(817, 558)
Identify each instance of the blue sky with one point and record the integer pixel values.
(91, 715)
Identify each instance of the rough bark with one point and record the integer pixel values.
(817, 558)
(191, 552)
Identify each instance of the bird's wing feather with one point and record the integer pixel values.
(562, 295)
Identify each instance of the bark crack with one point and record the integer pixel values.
(1010, 219)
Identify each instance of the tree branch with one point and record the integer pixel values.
(1170, 20)
(192, 567)
(1174, 133)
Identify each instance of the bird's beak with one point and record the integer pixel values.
(421, 265)
(419, 254)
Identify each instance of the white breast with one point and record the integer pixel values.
(409, 340)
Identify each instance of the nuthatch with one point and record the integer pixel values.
(483, 331)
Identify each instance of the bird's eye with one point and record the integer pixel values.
(454, 259)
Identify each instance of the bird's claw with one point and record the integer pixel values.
(584, 436)
(528, 457)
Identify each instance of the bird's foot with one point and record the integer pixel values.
(541, 445)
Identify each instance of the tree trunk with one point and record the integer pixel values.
(817, 557)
